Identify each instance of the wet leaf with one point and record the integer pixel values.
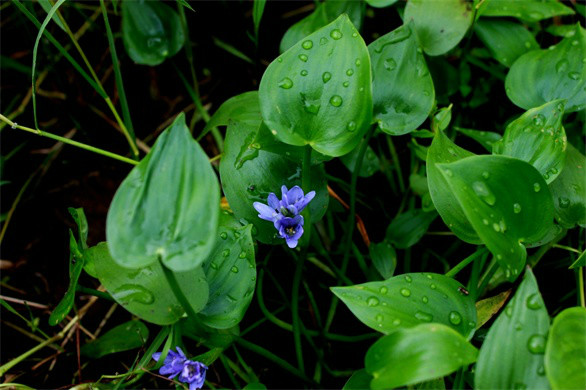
(402, 88)
(408, 228)
(506, 40)
(511, 356)
(526, 10)
(124, 337)
(569, 190)
(318, 92)
(384, 258)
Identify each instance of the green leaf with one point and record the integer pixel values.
(380, 3)
(124, 337)
(506, 40)
(569, 191)
(257, 10)
(488, 307)
(537, 137)
(145, 292)
(46, 5)
(555, 73)
(303, 96)
(565, 353)
(324, 13)
(580, 261)
(370, 162)
(239, 108)
(440, 25)
(443, 150)
(358, 381)
(511, 356)
(441, 119)
(402, 88)
(484, 138)
(561, 30)
(82, 226)
(507, 203)
(415, 355)
(231, 275)
(404, 301)
(167, 207)
(255, 386)
(249, 174)
(151, 31)
(384, 258)
(526, 10)
(408, 228)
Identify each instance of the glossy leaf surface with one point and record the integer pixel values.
(408, 228)
(440, 25)
(151, 31)
(506, 40)
(506, 201)
(167, 207)
(239, 108)
(569, 190)
(537, 137)
(415, 355)
(384, 258)
(407, 300)
(145, 292)
(511, 356)
(124, 337)
(526, 10)
(554, 73)
(565, 353)
(318, 92)
(358, 381)
(402, 88)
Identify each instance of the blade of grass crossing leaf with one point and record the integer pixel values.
(35, 50)
(257, 11)
(232, 50)
(46, 5)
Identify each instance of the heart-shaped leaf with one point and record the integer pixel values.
(526, 10)
(511, 356)
(415, 355)
(440, 25)
(124, 337)
(507, 203)
(404, 301)
(559, 72)
(318, 92)
(167, 207)
(506, 40)
(443, 150)
(565, 352)
(151, 31)
(569, 190)
(402, 88)
(537, 137)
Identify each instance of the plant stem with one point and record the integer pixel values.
(396, 162)
(96, 293)
(581, 286)
(460, 266)
(566, 248)
(295, 308)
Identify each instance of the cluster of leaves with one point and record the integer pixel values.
(176, 255)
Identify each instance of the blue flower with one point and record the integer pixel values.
(291, 229)
(193, 373)
(173, 363)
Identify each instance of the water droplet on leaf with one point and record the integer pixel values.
(307, 44)
(286, 83)
(336, 34)
(336, 101)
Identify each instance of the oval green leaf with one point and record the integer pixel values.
(402, 88)
(167, 207)
(506, 40)
(565, 353)
(415, 355)
(124, 337)
(318, 92)
(511, 356)
(537, 137)
(555, 73)
(440, 25)
(507, 203)
(526, 10)
(407, 300)
(569, 190)
(384, 258)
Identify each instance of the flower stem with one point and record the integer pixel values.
(460, 266)
(295, 307)
(170, 276)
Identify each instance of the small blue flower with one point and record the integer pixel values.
(293, 200)
(193, 373)
(173, 363)
(291, 229)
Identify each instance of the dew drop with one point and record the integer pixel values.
(357, 62)
(424, 299)
(455, 318)
(134, 293)
(226, 252)
(516, 208)
(485, 174)
(408, 279)
(562, 65)
(303, 72)
(213, 265)
(242, 255)
(336, 34)
(303, 57)
(539, 120)
(564, 202)
(533, 302)
(307, 44)
(279, 59)
(423, 316)
(223, 235)
(350, 72)
(327, 76)
(383, 290)
(390, 64)
(405, 292)
(286, 83)
(379, 318)
(354, 34)
(574, 75)
(536, 344)
(234, 269)
(372, 301)
(323, 41)
(541, 371)
(351, 126)
(345, 84)
(536, 187)
(336, 101)
(485, 221)
(484, 193)
(432, 286)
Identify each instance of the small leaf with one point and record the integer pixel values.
(506, 201)
(526, 10)
(318, 92)
(565, 353)
(418, 354)
(506, 40)
(384, 258)
(408, 228)
(239, 108)
(402, 88)
(124, 337)
(151, 31)
(537, 137)
(511, 356)
(440, 25)
(358, 381)
(488, 307)
(569, 190)
(484, 138)
(82, 226)
(407, 300)
(257, 11)
(555, 73)
(167, 207)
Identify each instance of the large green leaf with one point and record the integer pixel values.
(537, 137)
(511, 356)
(507, 203)
(151, 31)
(318, 92)
(440, 25)
(526, 10)
(569, 190)
(124, 337)
(324, 13)
(565, 353)
(402, 88)
(443, 150)
(415, 355)
(231, 275)
(559, 72)
(506, 40)
(249, 174)
(167, 207)
(358, 381)
(408, 228)
(145, 292)
(407, 300)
